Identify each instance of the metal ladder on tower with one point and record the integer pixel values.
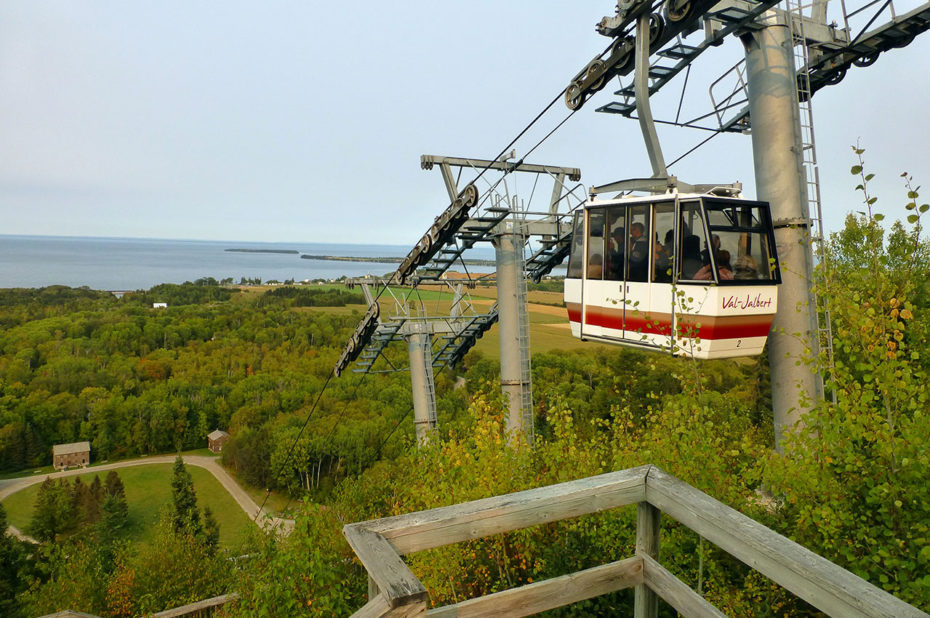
(794, 13)
(523, 330)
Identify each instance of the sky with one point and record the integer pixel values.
(295, 121)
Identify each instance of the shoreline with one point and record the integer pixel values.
(382, 260)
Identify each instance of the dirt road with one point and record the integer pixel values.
(262, 519)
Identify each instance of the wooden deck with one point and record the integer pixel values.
(396, 591)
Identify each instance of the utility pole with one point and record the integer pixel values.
(776, 147)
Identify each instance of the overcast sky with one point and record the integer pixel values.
(304, 121)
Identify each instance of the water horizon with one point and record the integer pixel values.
(126, 263)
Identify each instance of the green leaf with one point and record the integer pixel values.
(912, 195)
(856, 169)
(924, 207)
(878, 217)
(869, 177)
(871, 200)
(912, 218)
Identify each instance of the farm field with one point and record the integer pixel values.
(148, 492)
(548, 320)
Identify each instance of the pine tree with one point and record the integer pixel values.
(86, 508)
(113, 487)
(185, 516)
(12, 558)
(97, 490)
(211, 531)
(54, 511)
(112, 520)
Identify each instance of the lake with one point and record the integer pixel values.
(140, 263)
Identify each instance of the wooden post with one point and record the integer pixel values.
(373, 590)
(647, 544)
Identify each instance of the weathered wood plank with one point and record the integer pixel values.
(676, 593)
(376, 607)
(396, 583)
(557, 592)
(480, 518)
(199, 606)
(646, 603)
(818, 581)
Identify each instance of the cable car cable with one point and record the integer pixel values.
(701, 143)
(339, 419)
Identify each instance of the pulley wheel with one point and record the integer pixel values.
(573, 96)
(866, 60)
(656, 28)
(836, 77)
(679, 13)
(596, 70)
(624, 46)
(470, 195)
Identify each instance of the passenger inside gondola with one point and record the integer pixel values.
(746, 268)
(595, 267)
(724, 270)
(639, 253)
(596, 247)
(705, 254)
(615, 258)
(663, 258)
(691, 257)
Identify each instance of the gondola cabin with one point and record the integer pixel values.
(695, 275)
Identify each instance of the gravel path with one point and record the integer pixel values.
(262, 519)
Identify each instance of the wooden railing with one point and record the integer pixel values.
(394, 590)
(200, 609)
(207, 607)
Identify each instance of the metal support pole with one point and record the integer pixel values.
(776, 148)
(422, 385)
(641, 91)
(509, 253)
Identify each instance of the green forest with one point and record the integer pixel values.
(76, 364)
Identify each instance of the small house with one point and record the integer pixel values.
(68, 455)
(159, 305)
(216, 439)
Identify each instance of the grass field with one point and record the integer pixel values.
(148, 492)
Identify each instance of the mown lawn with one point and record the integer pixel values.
(148, 492)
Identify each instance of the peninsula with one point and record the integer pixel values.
(280, 251)
(381, 260)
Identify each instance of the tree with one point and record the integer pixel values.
(54, 511)
(113, 488)
(853, 481)
(185, 516)
(211, 530)
(86, 505)
(12, 560)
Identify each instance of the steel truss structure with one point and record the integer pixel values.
(655, 41)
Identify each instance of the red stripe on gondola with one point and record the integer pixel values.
(574, 312)
(711, 327)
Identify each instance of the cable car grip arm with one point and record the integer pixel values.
(641, 91)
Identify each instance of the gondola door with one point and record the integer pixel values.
(598, 318)
(637, 256)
